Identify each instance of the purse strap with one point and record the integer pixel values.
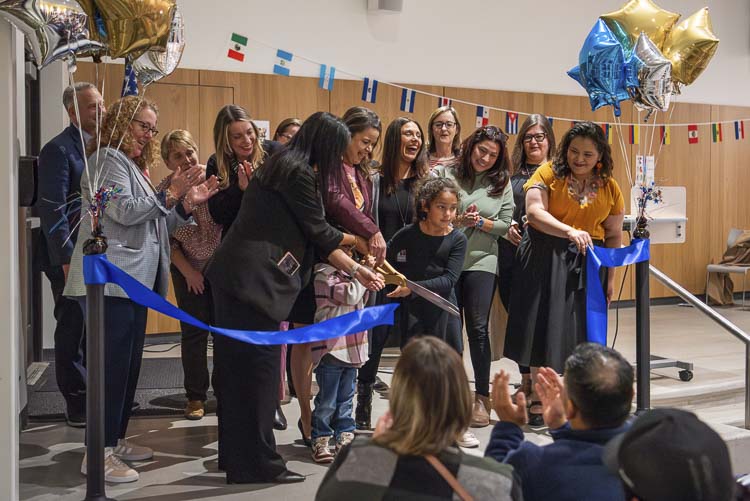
(448, 477)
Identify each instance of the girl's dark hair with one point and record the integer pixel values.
(518, 157)
(427, 191)
(359, 119)
(392, 155)
(497, 175)
(591, 131)
(320, 141)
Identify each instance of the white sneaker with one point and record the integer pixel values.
(344, 439)
(468, 440)
(114, 469)
(132, 452)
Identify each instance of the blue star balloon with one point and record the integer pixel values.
(604, 69)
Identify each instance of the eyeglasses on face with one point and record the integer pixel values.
(447, 125)
(287, 135)
(146, 127)
(536, 137)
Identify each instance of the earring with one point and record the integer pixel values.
(598, 165)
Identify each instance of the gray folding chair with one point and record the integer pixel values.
(734, 234)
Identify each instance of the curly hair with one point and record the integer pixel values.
(428, 190)
(588, 130)
(518, 157)
(115, 130)
(498, 175)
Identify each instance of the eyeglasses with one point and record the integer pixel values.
(536, 137)
(492, 133)
(287, 135)
(447, 125)
(146, 127)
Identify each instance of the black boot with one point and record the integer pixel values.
(279, 420)
(363, 412)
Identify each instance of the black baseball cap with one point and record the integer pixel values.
(670, 454)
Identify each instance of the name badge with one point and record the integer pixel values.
(401, 256)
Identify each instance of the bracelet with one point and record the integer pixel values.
(354, 269)
(480, 223)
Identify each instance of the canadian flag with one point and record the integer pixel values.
(693, 134)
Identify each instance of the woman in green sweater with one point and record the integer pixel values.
(486, 211)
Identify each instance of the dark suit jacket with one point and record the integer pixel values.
(269, 224)
(60, 167)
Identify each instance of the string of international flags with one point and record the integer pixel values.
(283, 66)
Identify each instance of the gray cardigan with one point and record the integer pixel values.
(136, 224)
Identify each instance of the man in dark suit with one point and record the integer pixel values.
(61, 163)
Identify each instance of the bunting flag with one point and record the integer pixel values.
(693, 134)
(550, 120)
(634, 134)
(283, 63)
(130, 83)
(716, 135)
(483, 116)
(444, 101)
(739, 130)
(573, 123)
(665, 135)
(327, 75)
(607, 132)
(408, 96)
(238, 44)
(369, 90)
(511, 122)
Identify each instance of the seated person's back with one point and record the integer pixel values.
(412, 454)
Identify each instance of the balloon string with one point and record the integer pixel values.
(621, 142)
(135, 112)
(72, 82)
(661, 140)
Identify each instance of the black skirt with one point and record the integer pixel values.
(547, 317)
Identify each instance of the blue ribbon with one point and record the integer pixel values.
(596, 302)
(98, 270)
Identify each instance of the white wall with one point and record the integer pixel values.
(521, 45)
(11, 127)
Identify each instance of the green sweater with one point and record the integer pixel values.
(481, 251)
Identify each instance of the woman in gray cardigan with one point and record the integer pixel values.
(137, 224)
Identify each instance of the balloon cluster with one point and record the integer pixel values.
(641, 52)
(148, 33)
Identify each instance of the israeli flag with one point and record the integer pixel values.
(408, 96)
(327, 75)
(283, 63)
(369, 90)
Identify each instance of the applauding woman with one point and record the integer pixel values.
(571, 203)
(257, 272)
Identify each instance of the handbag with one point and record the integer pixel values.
(462, 493)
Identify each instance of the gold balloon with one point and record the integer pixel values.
(132, 26)
(640, 16)
(690, 46)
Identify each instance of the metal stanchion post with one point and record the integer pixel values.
(642, 327)
(95, 380)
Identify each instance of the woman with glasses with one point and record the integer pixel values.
(286, 130)
(137, 224)
(535, 145)
(444, 137)
(486, 210)
(404, 163)
(572, 203)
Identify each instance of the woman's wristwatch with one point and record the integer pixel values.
(480, 223)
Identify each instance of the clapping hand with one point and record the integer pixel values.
(503, 404)
(244, 172)
(551, 391)
(202, 192)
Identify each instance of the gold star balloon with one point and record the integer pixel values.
(690, 46)
(640, 16)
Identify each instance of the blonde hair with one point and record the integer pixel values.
(430, 399)
(224, 119)
(456, 145)
(115, 130)
(177, 137)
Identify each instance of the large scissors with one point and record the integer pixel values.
(393, 277)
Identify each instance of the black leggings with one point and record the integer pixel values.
(475, 290)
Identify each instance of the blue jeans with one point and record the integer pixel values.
(332, 415)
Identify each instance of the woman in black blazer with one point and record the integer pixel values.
(256, 273)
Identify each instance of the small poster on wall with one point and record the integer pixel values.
(264, 129)
(644, 166)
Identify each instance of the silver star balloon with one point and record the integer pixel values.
(655, 87)
(156, 63)
(54, 29)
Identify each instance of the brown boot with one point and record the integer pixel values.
(524, 388)
(480, 415)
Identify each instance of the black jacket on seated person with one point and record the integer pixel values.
(270, 224)
(225, 205)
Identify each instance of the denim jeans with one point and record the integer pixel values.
(332, 415)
